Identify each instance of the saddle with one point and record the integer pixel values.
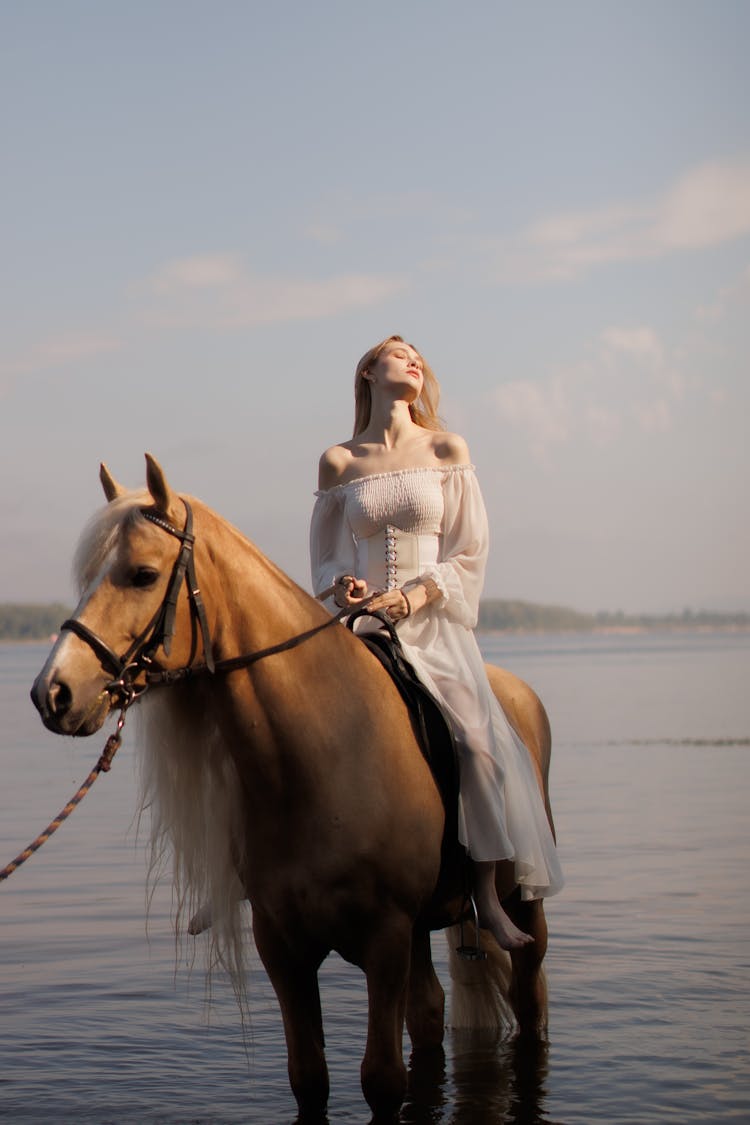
(438, 745)
(431, 724)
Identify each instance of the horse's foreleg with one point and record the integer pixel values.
(529, 985)
(294, 977)
(425, 1008)
(386, 966)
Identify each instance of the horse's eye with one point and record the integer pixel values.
(144, 576)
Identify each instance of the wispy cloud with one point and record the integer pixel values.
(540, 411)
(628, 384)
(706, 206)
(219, 291)
(737, 293)
(202, 271)
(212, 291)
(56, 352)
(344, 216)
(640, 342)
(326, 234)
(640, 349)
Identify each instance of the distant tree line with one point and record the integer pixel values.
(38, 622)
(31, 622)
(514, 615)
(688, 619)
(495, 614)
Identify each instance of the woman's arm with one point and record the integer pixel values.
(332, 549)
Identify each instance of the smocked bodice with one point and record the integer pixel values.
(411, 500)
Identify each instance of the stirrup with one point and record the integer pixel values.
(471, 952)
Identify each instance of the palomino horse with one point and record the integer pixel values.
(290, 775)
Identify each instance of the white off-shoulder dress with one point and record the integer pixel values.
(392, 529)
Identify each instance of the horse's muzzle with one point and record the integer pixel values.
(54, 700)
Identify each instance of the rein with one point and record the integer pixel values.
(139, 658)
(234, 663)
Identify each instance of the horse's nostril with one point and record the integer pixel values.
(59, 698)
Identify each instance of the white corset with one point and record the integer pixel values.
(391, 558)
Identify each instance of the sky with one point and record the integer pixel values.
(209, 211)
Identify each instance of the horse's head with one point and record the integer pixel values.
(131, 567)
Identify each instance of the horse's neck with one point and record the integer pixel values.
(276, 715)
(299, 728)
(254, 604)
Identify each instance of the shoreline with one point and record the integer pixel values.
(520, 631)
(616, 630)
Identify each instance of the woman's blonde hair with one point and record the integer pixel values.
(423, 410)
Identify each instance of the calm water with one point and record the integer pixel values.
(103, 1020)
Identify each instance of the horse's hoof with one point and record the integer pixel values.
(200, 921)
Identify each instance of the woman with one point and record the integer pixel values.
(399, 515)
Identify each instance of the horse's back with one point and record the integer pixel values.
(526, 714)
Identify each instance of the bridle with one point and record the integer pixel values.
(159, 631)
(140, 656)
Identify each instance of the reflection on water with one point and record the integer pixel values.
(648, 964)
(489, 1080)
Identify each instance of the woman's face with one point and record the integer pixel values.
(399, 366)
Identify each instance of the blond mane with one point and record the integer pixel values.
(190, 794)
(190, 788)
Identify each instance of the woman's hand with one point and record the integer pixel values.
(400, 604)
(350, 592)
(394, 602)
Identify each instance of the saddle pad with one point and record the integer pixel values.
(432, 726)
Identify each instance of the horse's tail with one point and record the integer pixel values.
(480, 989)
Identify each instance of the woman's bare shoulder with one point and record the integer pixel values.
(333, 465)
(451, 449)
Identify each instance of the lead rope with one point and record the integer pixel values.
(102, 766)
(114, 741)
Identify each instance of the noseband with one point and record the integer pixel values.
(160, 629)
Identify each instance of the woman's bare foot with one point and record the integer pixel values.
(492, 917)
(506, 933)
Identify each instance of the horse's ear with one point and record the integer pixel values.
(161, 493)
(111, 488)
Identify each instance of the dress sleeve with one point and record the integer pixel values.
(332, 549)
(459, 574)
